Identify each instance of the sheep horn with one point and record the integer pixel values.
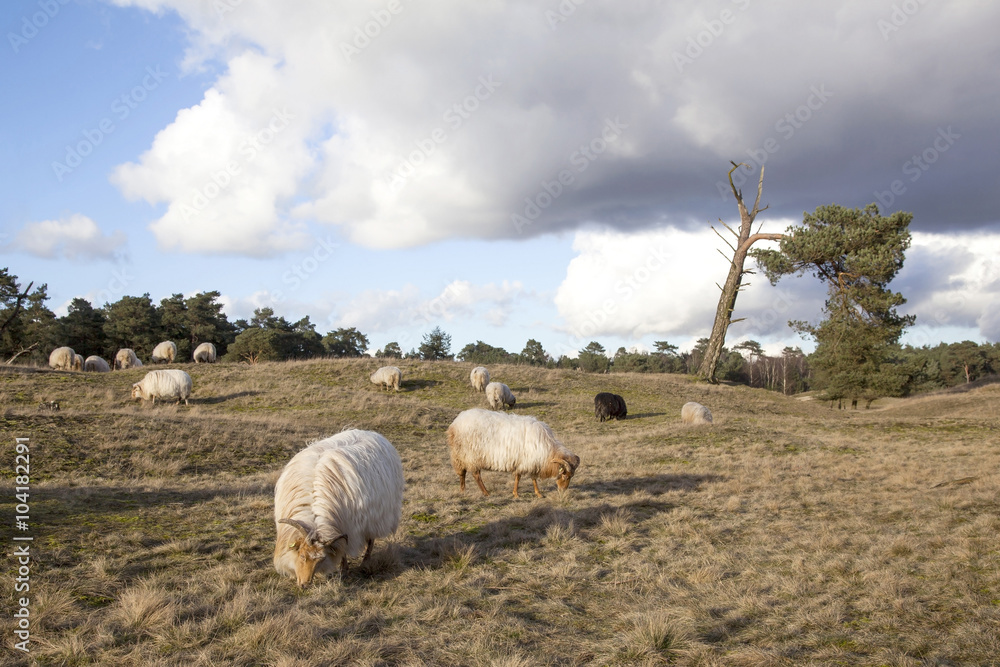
(330, 543)
(306, 529)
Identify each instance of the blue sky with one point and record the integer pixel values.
(506, 171)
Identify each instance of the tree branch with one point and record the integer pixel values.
(760, 237)
(737, 193)
(17, 307)
(23, 350)
(723, 239)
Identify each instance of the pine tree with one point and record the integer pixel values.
(25, 322)
(174, 322)
(593, 358)
(390, 351)
(534, 354)
(206, 323)
(133, 322)
(345, 343)
(436, 345)
(857, 253)
(82, 328)
(483, 353)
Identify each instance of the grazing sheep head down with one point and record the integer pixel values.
(562, 470)
(312, 550)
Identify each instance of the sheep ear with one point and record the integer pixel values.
(301, 525)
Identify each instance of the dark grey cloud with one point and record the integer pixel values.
(513, 119)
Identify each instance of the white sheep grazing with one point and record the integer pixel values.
(499, 395)
(695, 413)
(163, 384)
(479, 377)
(332, 498)
(164, 353)
(125, 358)
(65, 359)
(389, 377)
(483, 440)
(95, 364)
(204, 354)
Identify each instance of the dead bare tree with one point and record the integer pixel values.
(727, 300)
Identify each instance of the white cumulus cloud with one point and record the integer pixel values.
(952, 280)
(448, 119)
(72, 237)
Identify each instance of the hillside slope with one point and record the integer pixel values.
(784, 533)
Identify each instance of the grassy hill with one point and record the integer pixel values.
(786, 533)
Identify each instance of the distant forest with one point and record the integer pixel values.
(29, 331)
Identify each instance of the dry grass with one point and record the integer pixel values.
(786, 533)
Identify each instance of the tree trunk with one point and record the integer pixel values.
(727, 300)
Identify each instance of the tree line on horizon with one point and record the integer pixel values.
(29, 331)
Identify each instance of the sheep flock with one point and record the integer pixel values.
(339, 494)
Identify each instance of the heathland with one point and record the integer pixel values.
(786, 533)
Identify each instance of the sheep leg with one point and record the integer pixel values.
(461, 481)
(368, 552)
(537, 491)
(479, 481)
(517, 480)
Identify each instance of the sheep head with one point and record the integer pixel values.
(312, 550)
(565, 467)
(137, 391)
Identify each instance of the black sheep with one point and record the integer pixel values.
(609, 406)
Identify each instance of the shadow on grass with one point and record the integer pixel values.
(214, 400)
(653, 484)
(455, 549)
(69, 504)
(533, 404)
(414, 385)
(645, 415)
